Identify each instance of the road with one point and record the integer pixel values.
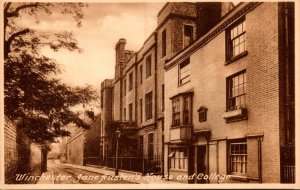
(62, 174)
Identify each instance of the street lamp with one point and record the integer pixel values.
(118, 134)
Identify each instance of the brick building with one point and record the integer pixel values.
(136, 95)
(229, 98)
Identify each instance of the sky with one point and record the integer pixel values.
(104, 24)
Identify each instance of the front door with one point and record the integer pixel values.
(201, 165)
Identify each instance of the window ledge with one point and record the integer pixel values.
(233, 59)
(177, 170)
(236, 115)
(179, 85)
(239, 177)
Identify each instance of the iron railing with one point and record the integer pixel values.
(143, 164)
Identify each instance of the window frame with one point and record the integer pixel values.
(124, 116)
(163, 43)
(182, 107)
(182, 65)
(176, 160)
(141, 73)
(148, 66)
(130, 81)
(229, 90)
(202, 111)
(176, 109)
(149, 105)
(150, 146)
(141, 110)
(125, 84)
(230, 57)
(234, 157)
(130, 106)
(191, 37)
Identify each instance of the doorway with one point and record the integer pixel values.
(201, 162)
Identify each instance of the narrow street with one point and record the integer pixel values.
(62, 174)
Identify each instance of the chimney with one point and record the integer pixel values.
(208, 14)
(120, 57)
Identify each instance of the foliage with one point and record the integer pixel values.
(40, 103)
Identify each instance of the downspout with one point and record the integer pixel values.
(207, 157)
(218, 160)
(136, 91)
(259, 160)
(155, 90)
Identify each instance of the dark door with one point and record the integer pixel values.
(201, 165)
(191, 163)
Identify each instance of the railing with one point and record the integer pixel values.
(96, 161)
(288, 174)
(142, 164)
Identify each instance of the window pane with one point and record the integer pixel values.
(240, 29)
(244, 26)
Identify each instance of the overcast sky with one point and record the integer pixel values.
(104, 24)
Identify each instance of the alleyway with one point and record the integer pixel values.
(62, 174)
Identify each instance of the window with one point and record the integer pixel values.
(148, 103)
(130, 112)
(141, 145)
(176, 112)
(185, 102)
(124, 118)
(238, 158)
(141, 74)
(163, 97)
(188, 35)
(236, 36)
(236, 90)
(124, 84)
(202, 113)
(148, 66)
(184, 72)
(178, 158)
(186, 114)
(150, 146)
(130, 81)
(141, 110)
(163, 43)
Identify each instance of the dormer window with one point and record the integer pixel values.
(188, 35)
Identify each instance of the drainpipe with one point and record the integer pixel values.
(168, 179)
(259, 160)
(207, 157)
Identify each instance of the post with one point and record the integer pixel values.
(118, 134)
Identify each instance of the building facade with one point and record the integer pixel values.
(136, 95)
(229, 99)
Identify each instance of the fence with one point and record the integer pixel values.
(142, 164)
(288, 174)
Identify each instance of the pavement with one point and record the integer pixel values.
(55, 168)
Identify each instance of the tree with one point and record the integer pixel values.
(39, 102)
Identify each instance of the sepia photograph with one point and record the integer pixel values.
(143, 94)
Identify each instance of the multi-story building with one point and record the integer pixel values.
(136, 95)
(229, 99)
